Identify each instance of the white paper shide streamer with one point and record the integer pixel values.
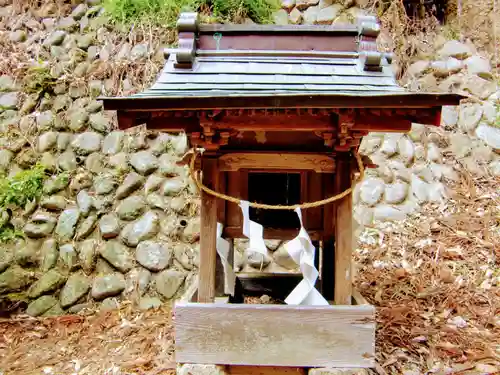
(301, 250)
(223, 246)
(254, 231)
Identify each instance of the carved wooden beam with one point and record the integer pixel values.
(283, 122)
(319, 163)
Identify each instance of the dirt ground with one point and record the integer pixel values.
(119, 342)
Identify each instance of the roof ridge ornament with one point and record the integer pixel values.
(368, 26)
(187, 27)
(370, 56)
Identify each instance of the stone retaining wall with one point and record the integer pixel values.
(119, 219)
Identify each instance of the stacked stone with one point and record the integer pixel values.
(319, 12)
(413, 168)
(474, 127)
(118, 218)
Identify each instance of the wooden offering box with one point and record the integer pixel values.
(280, 112)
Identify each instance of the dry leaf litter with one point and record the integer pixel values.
(435, 279)
(126, 341)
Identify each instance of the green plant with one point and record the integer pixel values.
(162, 12)
(15, 192)
(38, 80)
(9, 234)
(260, 11)
(22, 187)
(166, 12)
(451, 32)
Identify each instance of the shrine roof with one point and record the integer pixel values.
(221, 66)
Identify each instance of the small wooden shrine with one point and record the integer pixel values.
(280, 112)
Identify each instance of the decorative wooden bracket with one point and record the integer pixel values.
(344, 139)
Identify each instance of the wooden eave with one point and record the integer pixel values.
(280, 101)
(275, 68)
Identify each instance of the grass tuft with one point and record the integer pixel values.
(166, 12)
(15, 192)
(158, 12)
(22, 187)
(38, 80)
(259, 11)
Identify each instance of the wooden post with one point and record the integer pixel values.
(343, 233)
(208, 234)
(327, 269)
(220, 276)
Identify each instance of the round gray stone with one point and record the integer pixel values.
(396, 193)
(9, 100)
(117, 255)
(109, 226)
(489, 135)
(88, 255)
(41, 305)
(153, 255)
(283, 259)
(79, 11)
(140, 51)
(47, 141)
(371, 191)
(168, 282)
(99, 123)
(78, 119)
(65, 229)
(131, 208)
(469, 116)
(131, 183)
(85, 202)
(478, 65)
(56, 38)
(148, 303)
(187, 256)
(49, 282)
(75, 288)
(68, 256)
(137, 281)
(153, 183)
(86, 227)
(86, 143)
(14, 279)
(144, 162)
(50, 254)
(54, 203)
(173, 186)
(67, 161)
(108, 285)
(257, 260)
(144, 228)
(113, 143)
(454, 48)
(39, 229)
(104, 184)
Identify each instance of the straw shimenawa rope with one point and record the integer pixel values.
(302, 206)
